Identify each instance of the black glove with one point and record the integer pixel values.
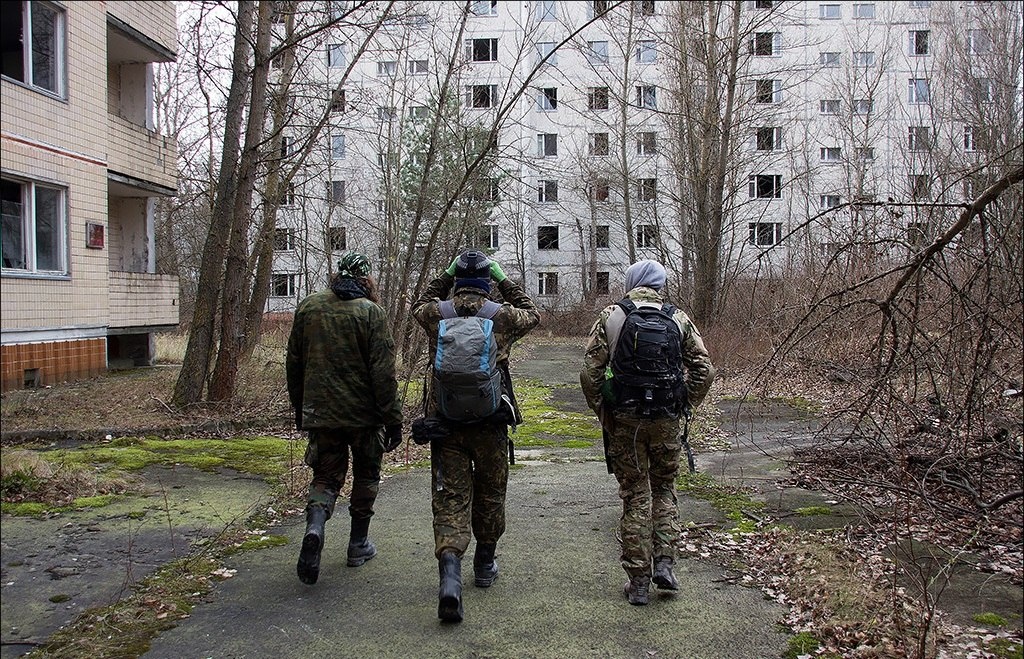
(392, 437)
(298, 418)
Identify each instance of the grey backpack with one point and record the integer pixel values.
(467, 381)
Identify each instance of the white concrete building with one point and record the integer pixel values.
(837, 102)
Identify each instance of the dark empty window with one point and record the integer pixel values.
(547, 237)
(765, 186)
(482, 50)
(597, 98)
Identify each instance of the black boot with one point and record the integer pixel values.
(360, 549)
(308, 567)
(663, 576)
(485, 568)
(449, 595)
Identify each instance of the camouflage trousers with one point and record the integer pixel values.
(644, 457)
(328, 455)
(469, 479)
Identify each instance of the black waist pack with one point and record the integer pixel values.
(428, 429)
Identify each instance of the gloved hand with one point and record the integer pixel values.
(392, 437)
(298, 418)
(496, 272)
(451, 268)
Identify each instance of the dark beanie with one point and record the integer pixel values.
(473, 282)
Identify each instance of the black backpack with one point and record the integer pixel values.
(646, 368)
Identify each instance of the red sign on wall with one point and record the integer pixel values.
(94, 235)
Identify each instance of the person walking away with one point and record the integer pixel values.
(341, 381)
(645, 366)
(470, 465)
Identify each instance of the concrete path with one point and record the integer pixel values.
(559, 593)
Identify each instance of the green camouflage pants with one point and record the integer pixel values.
(469, 479)
(645, 460)
(328, 454)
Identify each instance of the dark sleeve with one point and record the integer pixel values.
(294, 365)
(700, 372)
(382, 368)
(524, 315)
(424, 309)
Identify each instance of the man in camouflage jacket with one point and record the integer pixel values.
(644, 454)
(470, 465)
(341, 382)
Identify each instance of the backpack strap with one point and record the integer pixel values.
(626, 305)
(489, 309)
(447, 308)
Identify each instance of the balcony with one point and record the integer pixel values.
(142, 154)
(141, 302)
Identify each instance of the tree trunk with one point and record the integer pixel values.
(196, 364)
(236, 277)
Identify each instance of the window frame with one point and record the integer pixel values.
(647, 143)
(829, 59)
(333, 186)
(918, 46)
(597, 94)
(483, 8)
(825, 12)
(864, 11)
(754, 186)
(59, 42)
(546, 100)
(646, 51)
(825, 106)
(418, 67)
(602, 236)
(596, 55)
(547, 191)
(646, 236)
(335, 55)
(547, 237)
(829, 201)
(291, 289)
(647, 190)
(285, 239)
(775, 133)
(647, 97)
(333, 244)
(547, 280)
(918, 91)
(755, 235)
(830, 154)
(475, 47)
(599, 144)
(337, 146)
(29, 228)
(547, 145)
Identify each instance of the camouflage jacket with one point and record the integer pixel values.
(700, 373)
(341, 364)
(517, 316)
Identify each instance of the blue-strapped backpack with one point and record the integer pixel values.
(646, 367)
(467, 381)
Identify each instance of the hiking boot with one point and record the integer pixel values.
(663, 577)
(360, 548)
(449, 595)
(637, 589)
(485, 568)
(308, 567)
